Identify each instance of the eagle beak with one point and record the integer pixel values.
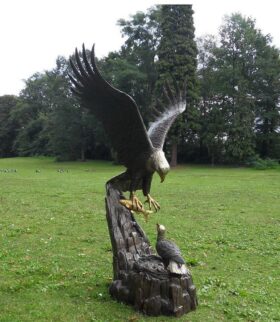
(162, 177)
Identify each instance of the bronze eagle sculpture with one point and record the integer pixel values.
(139, 150)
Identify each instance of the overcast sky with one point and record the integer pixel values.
(34, 32)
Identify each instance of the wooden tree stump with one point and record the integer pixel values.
(140, 277)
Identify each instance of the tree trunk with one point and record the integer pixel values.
(212, 160)
(83, 158)
(140, 277)
(173, 162)
(265, 142)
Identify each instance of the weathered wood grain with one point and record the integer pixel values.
(140, 278)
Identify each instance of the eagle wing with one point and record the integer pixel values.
(159, 128)
(169, 251)
(116, 110)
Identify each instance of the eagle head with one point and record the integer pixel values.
(160, 228)
(157, 162)
(160, 232)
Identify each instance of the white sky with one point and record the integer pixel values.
(34, 32)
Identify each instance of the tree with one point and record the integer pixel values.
(249, 72)
(139, 53)
(236, 59)
(126, 76)
(233, 99)
(8, 127)
(160, 43)
(51, 121)
(177, 63)
(267, 89)
(239, 84)
(64, 126)
(31, 115)
(211, 130)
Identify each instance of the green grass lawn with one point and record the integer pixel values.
(56, 258)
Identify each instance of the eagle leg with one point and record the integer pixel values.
(136, 203)
(152, 202)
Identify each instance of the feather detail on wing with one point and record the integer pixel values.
(116, 110)
(169, 251)
(159, 128)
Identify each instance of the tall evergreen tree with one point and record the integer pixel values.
(177, 63)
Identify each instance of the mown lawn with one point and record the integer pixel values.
(55, 255)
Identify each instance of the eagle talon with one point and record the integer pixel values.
(153, 203)
(127, 203)
(136, 203)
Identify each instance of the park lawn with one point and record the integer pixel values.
(56, 258)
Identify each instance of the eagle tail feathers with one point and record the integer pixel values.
(177, 268)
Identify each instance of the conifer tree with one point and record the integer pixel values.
(177, 64)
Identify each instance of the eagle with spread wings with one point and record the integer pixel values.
(139, 150)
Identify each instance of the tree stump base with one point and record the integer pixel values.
(140, 278)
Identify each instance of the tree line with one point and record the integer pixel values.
(232, 81)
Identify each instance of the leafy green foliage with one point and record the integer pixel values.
(262, 164)
(51, 122)
(233, 110)
(234, 82)
(267, 106)
(8, 126)
(128, 77)
(30, 113)
(64, 126)
(236, 58)
(139, 52)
